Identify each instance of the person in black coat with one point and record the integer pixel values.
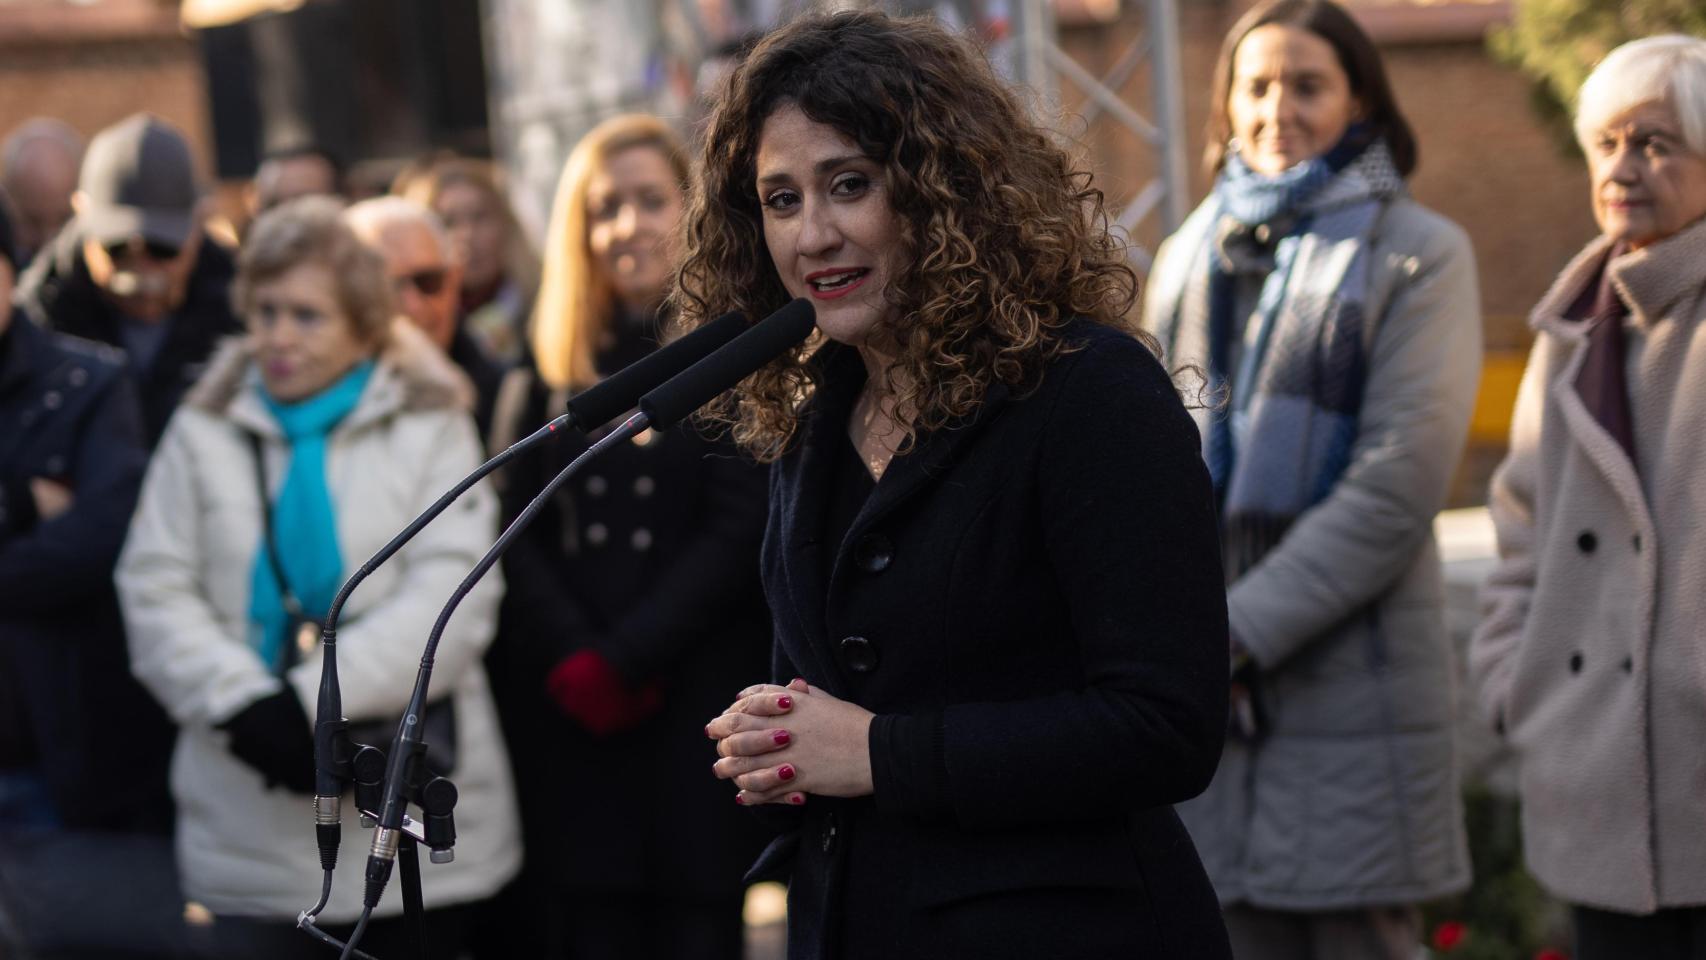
(633, 610)
(1001, 637)
(134, 269)
(73, 722)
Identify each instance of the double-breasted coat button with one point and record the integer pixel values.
(77, 377)
(1637, 543)
(1575, 663)
(641, 540)
(597, 534)
(874, 552)
(596, 485)
(52, 399)
(643, 486)
(831, 830)
(55, 465)
(1587, 542)
(1628, 665)
(859, 654)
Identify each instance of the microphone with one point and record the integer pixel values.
(616, 394)
(588, 410)
(730, 364)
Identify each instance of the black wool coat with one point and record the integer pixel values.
(650, 556)
(58, 293)
(1031, 602)
(68, 704)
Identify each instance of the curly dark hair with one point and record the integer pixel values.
(1003, 236)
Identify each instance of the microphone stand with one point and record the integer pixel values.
(339, 760)
(406, 777)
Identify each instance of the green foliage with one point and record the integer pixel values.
(1557, 42)
(1505, 915)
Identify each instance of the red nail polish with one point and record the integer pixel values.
(785, 771)
(781, 737)
(797, 799)
(785, 702)
(740, 800)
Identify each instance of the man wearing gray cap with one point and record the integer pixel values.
(133, 269)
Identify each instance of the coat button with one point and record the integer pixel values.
(859, 654)
(1575, 663)
(1628, 665)
(1587, 542)
(641, 540)
(77, 377)
(55, 465)
(1637, 543)
(643, 487)
(52, 400)
(597, 534)
(873, 553)
(596, 485)
(831, 830)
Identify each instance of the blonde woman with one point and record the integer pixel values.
(634, 608)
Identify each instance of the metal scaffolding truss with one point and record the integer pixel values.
(1042, 64)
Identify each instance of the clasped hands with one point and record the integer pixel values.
(779, 744)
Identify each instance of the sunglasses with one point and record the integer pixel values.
(156, 250)
(427, 282)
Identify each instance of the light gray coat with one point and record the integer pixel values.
(1590, 652)
(1352, 797)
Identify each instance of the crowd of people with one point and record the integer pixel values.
(1034, 611)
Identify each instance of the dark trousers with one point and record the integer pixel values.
(1676, 934)
(448, 930)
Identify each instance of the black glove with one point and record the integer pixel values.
(272, 736)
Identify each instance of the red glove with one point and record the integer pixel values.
(588, 688)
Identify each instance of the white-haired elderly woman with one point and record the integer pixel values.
(1589, 654)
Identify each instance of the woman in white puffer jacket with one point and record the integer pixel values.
(359, 424)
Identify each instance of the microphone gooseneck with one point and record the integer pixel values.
(328, 711)
(617, 394)
(730, 364)
(408, 741)
(689, 389)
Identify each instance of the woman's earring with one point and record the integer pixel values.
(1234, 145)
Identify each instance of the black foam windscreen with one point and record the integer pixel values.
(618, 393)
(732, 363)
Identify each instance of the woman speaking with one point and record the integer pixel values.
(991, 553)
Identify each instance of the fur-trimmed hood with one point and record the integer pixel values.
(411, 375)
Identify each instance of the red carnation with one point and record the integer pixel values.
(1449, 935)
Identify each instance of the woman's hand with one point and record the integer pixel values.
(52, 497)
(780, 743)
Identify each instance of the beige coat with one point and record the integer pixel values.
(1590, 654)
(184, 580)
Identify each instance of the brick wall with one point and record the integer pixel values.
(94, 65)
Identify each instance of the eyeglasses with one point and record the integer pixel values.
(427, 282)
(157, 250)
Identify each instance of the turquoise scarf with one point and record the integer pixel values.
(305, 527)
